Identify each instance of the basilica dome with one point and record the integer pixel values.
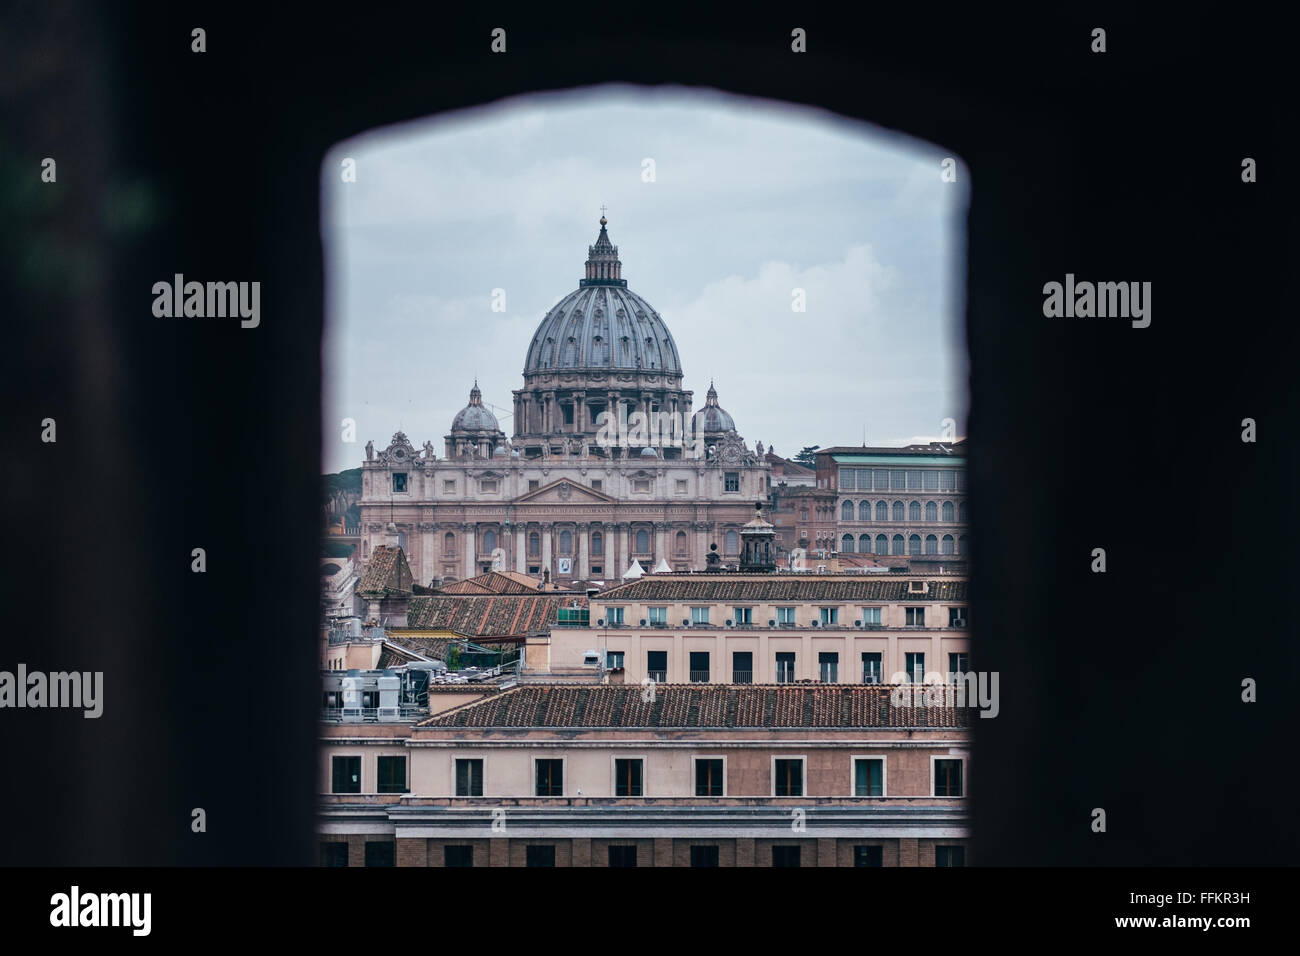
(713, 419)
(474, 417)
(602, 325)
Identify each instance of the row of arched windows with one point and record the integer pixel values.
(912, 545)
(901, 512)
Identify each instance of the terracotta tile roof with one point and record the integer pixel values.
(386, 572)
(699, 705)
(783, 587)
(494, 582)
(483, 617)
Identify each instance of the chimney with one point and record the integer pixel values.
(390, 535)
(546, 577)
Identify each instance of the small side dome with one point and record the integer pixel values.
(713, 419)
(649, 452)
(475, 417)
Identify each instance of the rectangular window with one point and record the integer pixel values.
(681, 486)
(931, 481)
(539, 856)
(550, 778)
(947, 778)
(742, 615)
(958, 664)
(915, 661)
(785, 667)
(333, 854)
(830, 615)
(882, 479)
(392, 774)
(731, 481)
(622, 856)
(658, 615)
(614, 615)
(656, 665)
(534, 484)
(961, 480)
(787, 777)
(914, 481)
(699, 666)
(458, 855)
(956, 617)
(785, 615)
(597, 484)
(848, 479)
(871, 667)
(898, 480)
(469, 778)
(627, 778)
(346, 773)
(399, 482)
(947, 480)
(699, 615)
(597, 570)
(381, 853)
(488, 486)
(614, 660)
(949, 856)
(567, 409)
(700, 855)
(742, 667)
(871, 615)
(448, 486)
(641, 485)
(828, 666)
(708, 777)
(785, 856)
(915, 617)
(868, 856)
(869, 777)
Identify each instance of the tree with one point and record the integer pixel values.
(805, 457)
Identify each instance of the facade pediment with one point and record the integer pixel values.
(564, 491)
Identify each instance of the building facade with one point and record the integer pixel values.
(608, 463)
(765, 628)
(907, 501)
(552, 775)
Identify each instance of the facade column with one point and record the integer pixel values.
(579, 412)
(546, 547)
(520, 548)
(661, 540)
(584, 536)
(471, 533)
(427, 562)
(625, 548)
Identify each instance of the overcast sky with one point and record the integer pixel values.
(751, 200)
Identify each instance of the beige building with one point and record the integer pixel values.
(685, 775)
(764, 628)
(608, 463)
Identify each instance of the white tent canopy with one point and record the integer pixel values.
(662, 567)
(634, 571)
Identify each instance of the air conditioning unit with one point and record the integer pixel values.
(729, 622)
(600, 622)
(686, 622)
(815, 623)
(960, 622)
(857, 623)
(643, 622)
(771, 623)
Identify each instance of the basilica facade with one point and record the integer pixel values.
(607, 464)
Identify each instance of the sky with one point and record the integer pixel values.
(750, 200)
